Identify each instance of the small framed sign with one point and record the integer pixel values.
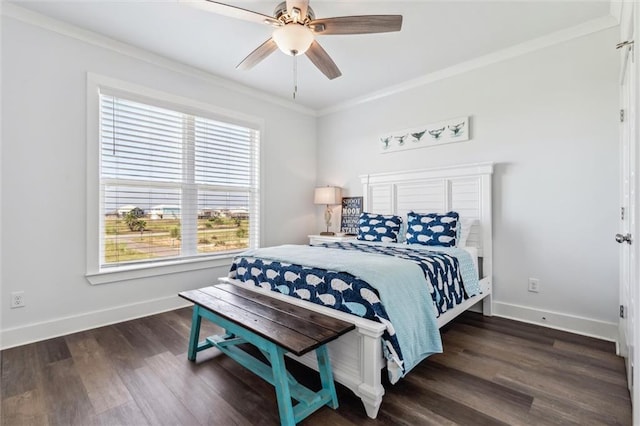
(351, 209)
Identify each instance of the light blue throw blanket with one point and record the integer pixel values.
(400, 283)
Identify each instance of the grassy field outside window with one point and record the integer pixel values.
(161, 238)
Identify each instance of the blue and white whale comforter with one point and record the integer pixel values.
(405, 288)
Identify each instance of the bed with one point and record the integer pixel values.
(359, 357)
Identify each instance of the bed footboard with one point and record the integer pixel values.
(370, 389)
(356, 357)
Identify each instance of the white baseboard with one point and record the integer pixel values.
(571, 323)
(62, 326)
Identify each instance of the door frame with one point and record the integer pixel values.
(628, 14)
(634, 315)
(635, 377)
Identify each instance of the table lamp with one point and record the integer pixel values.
(328, 195)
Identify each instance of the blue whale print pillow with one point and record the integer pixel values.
(378, 227)
(432, 229)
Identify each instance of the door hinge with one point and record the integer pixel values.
(621, 311)
(621, 213)
(622, 116)
(622, 44)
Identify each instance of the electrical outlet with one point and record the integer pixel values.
(17, 299)
(534, 285)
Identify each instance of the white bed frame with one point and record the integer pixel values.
(356, 357)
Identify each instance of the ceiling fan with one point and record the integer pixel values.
(296, 27)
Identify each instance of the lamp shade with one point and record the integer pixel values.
(293, 39)
(327, 195)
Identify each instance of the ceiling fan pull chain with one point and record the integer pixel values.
(295, 76)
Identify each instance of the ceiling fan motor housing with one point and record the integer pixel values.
(281, 14)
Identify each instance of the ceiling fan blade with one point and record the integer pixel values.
(302, 5)
(232, 11)
(365, 24)
(323, 61)
(264, 50)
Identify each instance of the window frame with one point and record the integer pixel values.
(95, 274)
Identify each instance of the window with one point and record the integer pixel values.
(176, 184)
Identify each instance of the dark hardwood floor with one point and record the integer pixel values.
(493, 371)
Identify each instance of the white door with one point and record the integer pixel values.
(628, 247)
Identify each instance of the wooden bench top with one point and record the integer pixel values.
(291, 327)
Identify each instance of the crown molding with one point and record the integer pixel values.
(45, 22)
(557, 37)
(36, 19)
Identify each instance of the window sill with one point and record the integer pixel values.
(152, 270)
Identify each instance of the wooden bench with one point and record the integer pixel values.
(275, 327)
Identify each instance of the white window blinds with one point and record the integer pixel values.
(174, 184)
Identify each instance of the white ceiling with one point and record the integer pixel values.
(435, 35)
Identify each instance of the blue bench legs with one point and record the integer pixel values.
(287, 388)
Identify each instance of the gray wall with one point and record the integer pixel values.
(548, 119)
(44, 171)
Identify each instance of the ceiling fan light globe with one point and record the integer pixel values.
(293, 39)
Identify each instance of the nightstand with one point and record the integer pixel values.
(321, 239)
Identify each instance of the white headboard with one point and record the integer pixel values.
(465, 189)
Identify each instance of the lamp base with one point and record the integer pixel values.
(327, 233)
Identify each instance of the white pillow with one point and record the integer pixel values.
(464, 230)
